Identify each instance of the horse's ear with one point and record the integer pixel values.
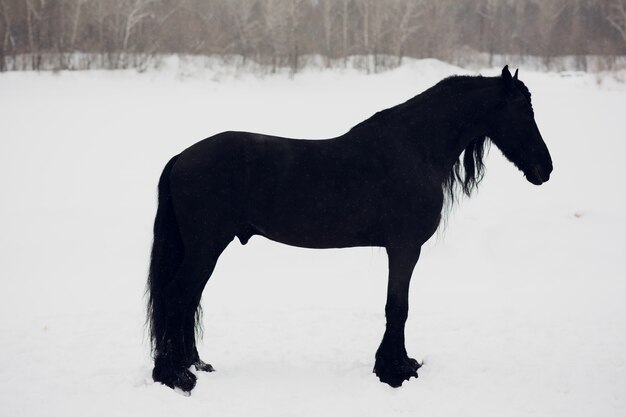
(516, 72)
(506, 76)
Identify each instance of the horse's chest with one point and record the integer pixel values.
(412, 210)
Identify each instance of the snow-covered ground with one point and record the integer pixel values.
(517, 308)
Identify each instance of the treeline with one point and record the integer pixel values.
(77, 34)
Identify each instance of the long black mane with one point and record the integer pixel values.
(467, 172)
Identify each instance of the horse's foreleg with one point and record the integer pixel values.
(393, 366)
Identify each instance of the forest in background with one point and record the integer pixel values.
(110, 34)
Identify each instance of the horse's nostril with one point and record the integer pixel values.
(543, 172)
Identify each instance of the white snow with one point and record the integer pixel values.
(517, 308)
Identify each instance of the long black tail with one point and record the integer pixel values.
(166, 257)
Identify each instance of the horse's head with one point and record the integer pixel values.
(514, 131)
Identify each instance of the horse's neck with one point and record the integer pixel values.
(431, 129)
(441, 132)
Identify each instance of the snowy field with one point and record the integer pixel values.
(518, 308)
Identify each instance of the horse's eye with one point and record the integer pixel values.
(523, 106)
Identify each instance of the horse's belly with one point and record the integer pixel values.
(306, 236)
(317, 218)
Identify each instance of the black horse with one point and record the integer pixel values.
(383, 184)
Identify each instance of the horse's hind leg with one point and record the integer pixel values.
(193, 317)
(393, 365)
(177, 351)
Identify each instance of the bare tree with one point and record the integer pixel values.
(407, 18)
(327, 15)
(8, 40)
(279, 32)
(134, 12)
(78, 6)
(345, 16)
(276, 32)
(617, 17)
(295, 13)
(33, 18)
(374, 14)
(551, 12)
(247, 27)
(488, 11)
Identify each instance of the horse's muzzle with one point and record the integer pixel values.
(537, 175)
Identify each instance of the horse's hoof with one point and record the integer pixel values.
(200, 365)
(183, 379)
(414, 364)
(395, 372)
